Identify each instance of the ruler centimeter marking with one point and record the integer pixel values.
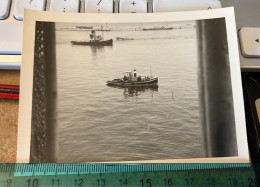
(143, 175)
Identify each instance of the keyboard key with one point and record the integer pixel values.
(65, 5)
(11, 38)
(4, 8)
(133, 6)
(20, 5)
(183, 5)
(10, 62)
(99, 6)
(250, 41)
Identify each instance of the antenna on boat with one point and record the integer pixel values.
(151, 70)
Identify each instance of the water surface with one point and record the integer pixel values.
(101, 123)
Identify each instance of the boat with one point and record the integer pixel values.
(131, 79)
(95, 40)
(94, 43)
(103, 29)
(84, 27)
(122, 38)
(157, 28)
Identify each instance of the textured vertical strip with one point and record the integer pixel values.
(216, 97)
(43, 129)
(38, 139)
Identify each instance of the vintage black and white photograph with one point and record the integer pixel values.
(127, 92)
(109, 92)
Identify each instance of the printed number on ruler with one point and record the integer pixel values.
(99, 6)
(65, 6)
(133, 6)
(38, 175)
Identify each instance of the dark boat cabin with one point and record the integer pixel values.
(131, 76)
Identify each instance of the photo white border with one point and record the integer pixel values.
(26, 85)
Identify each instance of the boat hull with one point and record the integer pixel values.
(94, 43)
(157, 29)
(118, 83)
(120, 38)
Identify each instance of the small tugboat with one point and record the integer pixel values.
(131, 79)
(95, 40)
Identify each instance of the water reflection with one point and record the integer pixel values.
(136, 91)
(96, 49)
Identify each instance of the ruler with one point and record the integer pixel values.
(143, 175)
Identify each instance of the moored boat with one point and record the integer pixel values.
(131, 79)
(122, 38)
(157, 28)
(95, 40)
(84, 27)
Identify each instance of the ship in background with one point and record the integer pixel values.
(103, 29)
(84, 27)
(124, 38)
(157, 28)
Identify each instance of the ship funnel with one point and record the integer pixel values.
(134, 73)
